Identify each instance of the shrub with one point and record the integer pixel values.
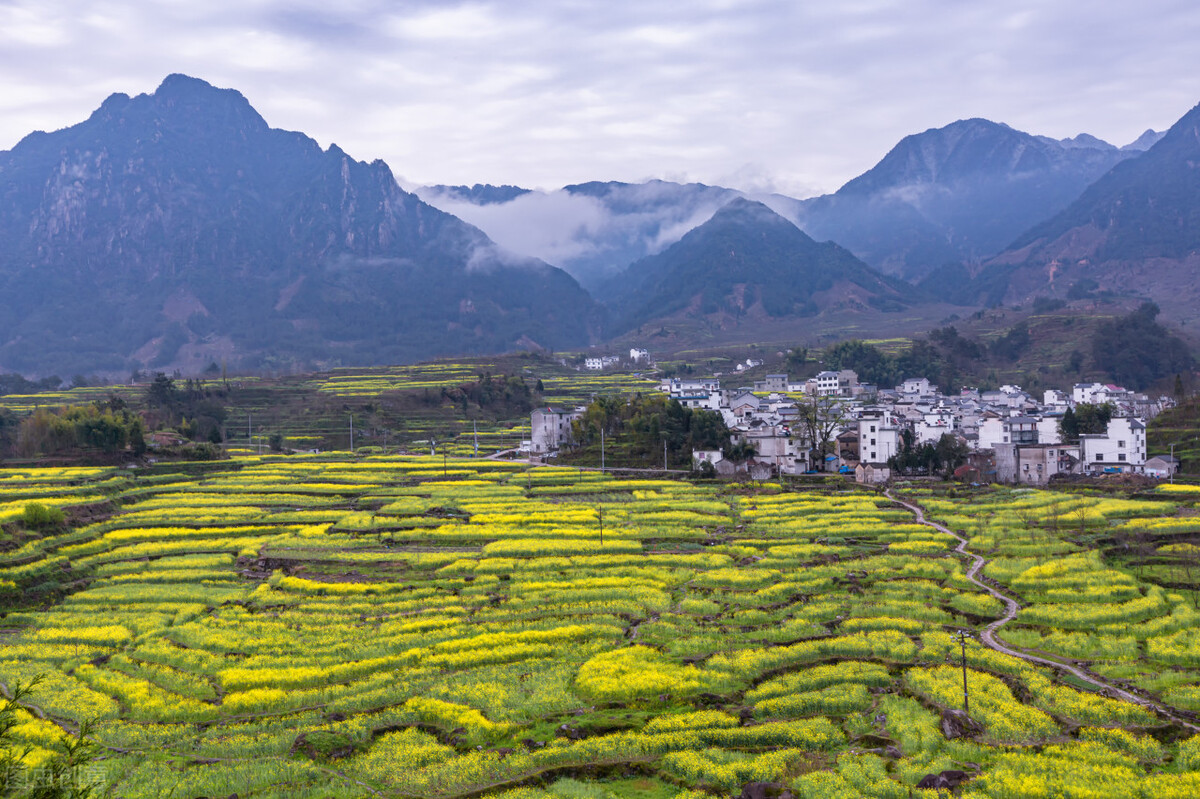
(37, 516)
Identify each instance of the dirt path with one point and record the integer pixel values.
(989, 638)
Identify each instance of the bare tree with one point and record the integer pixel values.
(820, 417)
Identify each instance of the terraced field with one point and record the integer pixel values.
(317, 411)
(402, 626)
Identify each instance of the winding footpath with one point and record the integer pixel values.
(988, 634)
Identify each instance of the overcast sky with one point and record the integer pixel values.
(780, 95)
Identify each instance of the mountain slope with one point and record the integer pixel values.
(748, 259)
(173, 229)
(961, 192)
(1136, 231)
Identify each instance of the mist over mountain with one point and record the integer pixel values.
(175, 229)
(953, 194)
(592, 230)
(748, 260)
(958, 193)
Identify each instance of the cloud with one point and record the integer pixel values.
(591, 237)
(543, 93)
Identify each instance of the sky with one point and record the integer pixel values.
(793, 96)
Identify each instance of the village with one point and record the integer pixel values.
(832, 423)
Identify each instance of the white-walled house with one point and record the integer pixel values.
(836, 384)
(783, 449)
(933, 425)
(713, 456)
(699, 400)
(1047, 430)
(879, 438)
(1037, 463)
(676, 386)
(772, 383)
(600, 362)
(551, 428)
(996, 430)
(639, 355)
(1053, 398)
(1160, 466)
(919, 386)
(1122, 447)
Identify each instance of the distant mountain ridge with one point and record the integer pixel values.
(747, 259)
(1136, 231)
(957, 193)
(178, 228)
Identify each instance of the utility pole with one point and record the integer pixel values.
(962, 642)
(664, 453)
(1171, 465)
(475, 431)
(601, 447)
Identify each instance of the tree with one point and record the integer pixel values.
(1085, 419)
(1075, 362)
(952, 452)
(162, 392)
(1137, 351)
(819, 418)
(60, 776)
(740, 452)
(870, 363)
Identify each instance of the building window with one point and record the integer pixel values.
(1121, 457)
(1099, 456)
(1121, 444)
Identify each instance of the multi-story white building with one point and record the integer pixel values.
(918, 386)
(676, 386)
(551, 428)
(995, 430)
(1053, 398)
(772, 383)
(1037, 463)
(1122, 448)
(836, 384)
(1048, 431)
(601, 362)
(879, 437)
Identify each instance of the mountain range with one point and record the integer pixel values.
(1136, 230)
(177, 229)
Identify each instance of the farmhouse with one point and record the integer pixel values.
(551, 428)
